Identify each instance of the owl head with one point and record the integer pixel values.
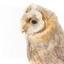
(33, 20)
(36, 21)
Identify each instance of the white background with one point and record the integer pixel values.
(12, 41)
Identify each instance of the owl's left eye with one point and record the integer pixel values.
(34, 21)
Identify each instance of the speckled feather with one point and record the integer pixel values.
(45, 46)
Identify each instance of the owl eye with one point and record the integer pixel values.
(34, 21)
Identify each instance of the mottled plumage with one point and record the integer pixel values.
(44, 35)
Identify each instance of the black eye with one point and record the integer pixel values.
(34, 21)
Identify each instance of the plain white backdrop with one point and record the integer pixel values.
(12, 41)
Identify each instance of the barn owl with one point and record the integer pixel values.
(44, 36)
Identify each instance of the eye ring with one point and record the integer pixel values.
(34, 21)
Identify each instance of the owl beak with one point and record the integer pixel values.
(24, 28)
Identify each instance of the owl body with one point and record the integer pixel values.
(44, 35)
